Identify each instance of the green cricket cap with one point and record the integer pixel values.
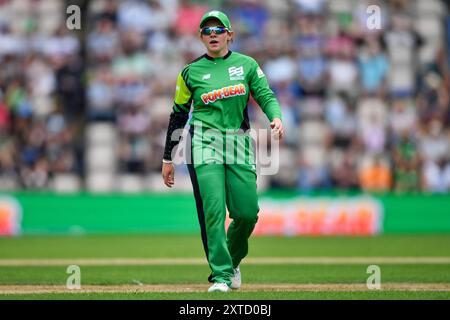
(215, 14)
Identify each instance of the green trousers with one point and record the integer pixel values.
(218, 187)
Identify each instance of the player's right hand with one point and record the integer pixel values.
(168, 174)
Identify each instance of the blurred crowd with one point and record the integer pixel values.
(364, 109)
(41, 94)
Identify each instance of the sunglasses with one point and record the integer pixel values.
(206, 31)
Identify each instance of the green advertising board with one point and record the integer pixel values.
(51, 213)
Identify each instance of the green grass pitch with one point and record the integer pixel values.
(408, 270)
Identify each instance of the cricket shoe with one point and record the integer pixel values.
(236, 279)
(219, 287)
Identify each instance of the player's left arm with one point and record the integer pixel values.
(264, 96)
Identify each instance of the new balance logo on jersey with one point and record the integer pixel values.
(224, 93)
(206, 76)
(236, 73)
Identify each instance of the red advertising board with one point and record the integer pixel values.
(320, 216)
(10, 217)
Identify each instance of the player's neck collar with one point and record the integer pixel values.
(213, 59)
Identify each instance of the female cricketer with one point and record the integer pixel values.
(217, 85)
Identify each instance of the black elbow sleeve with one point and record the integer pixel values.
(177, 121)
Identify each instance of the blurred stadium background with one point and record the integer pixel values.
(83, 117)
(83, 114)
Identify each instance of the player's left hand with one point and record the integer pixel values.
(277, 128)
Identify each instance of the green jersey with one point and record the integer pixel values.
(220, 89)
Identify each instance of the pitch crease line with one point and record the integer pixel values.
(202, 261)
(177, 288)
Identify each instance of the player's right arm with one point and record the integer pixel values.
(178, 118)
